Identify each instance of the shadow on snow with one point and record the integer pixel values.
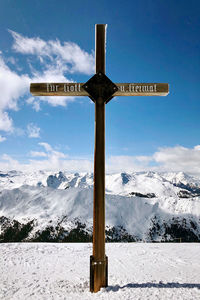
(159, 285)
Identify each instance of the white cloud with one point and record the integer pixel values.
(38, 154)
(12, 87)
(6, 123)
(53, 154)
(33, 131)
(2, 139)
(124, 163)
(197, 147)
(53, 74)
(67, 55)
(56, 100)
(143, 159)
(166, 159)
(28, 45)
(55, 164)
(55, 160)
(8, 163)
(56, 60)
(178, 159)
(34, 102)
(46, 146)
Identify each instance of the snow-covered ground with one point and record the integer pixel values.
(136, 271)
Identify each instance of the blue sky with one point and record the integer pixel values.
(147, 41)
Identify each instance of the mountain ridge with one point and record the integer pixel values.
(56, 206)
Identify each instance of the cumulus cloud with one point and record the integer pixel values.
(174, 159)
(33, 131)
(12, 87)
(49, 159)
(178, 159)
(67, 54)
(53, 159)
(56, 60)
(166, 159)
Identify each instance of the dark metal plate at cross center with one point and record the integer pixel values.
(100, 86)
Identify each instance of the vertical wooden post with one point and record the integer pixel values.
(100, 47)
(98, 262)
(101, 90)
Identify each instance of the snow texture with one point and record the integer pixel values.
(145, 204)
(31, 271)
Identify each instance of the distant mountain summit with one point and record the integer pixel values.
(140, 206)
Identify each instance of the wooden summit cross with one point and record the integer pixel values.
(101, 90)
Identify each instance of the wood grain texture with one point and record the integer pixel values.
(75, 89)
(100, 48)
(99, 168)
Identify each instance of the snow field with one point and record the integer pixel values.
(135, 271)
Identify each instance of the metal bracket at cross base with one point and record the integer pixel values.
(102, 268)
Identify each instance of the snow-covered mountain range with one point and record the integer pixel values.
(148, 206)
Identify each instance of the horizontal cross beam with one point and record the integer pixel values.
(76, 89)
